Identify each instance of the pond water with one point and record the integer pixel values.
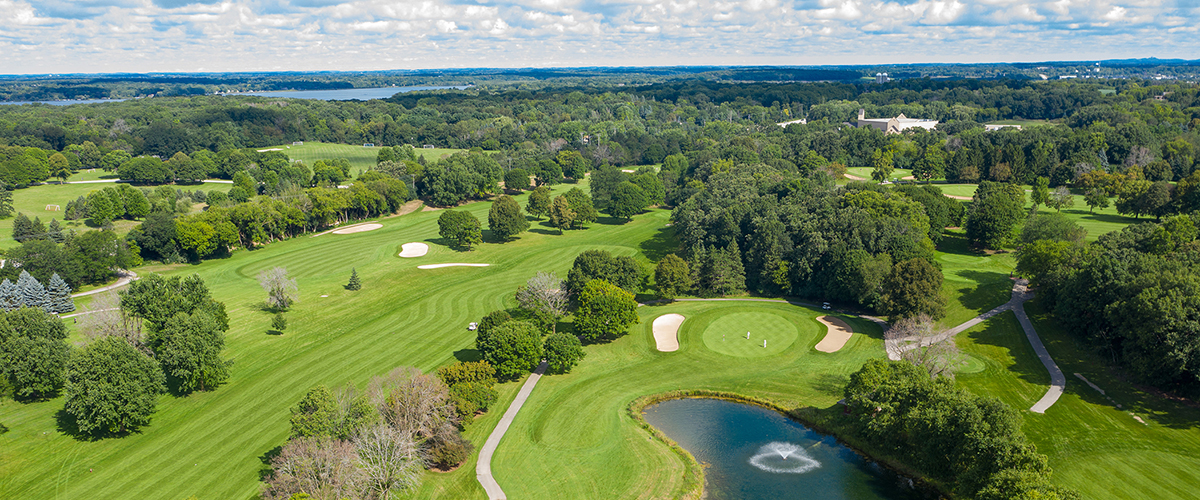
(756, 453)
(345, 94)
(64, 102)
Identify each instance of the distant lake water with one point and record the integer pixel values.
(323, 95)
(345, 94)
(756, 453)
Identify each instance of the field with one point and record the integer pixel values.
(573, 438)
(361, 158)
(32, 201)
(865, 172)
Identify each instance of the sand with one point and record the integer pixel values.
(968, 198)
(272, 149)
(839, 333)
(628, 171)
(357, 229)
(409, 250)
(452, 264)
(666, 332)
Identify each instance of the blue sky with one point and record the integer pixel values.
(68, 36)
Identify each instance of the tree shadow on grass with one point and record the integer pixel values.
(993, 290)
(265, 472)
(664, 241)
(538, 230)
(467, 355)
(1113, 219)
(610, 221)
(445, 242)
(274, 332)
(65, 423)
(830, 384)
(1004, 331)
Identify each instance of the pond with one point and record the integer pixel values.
(753, 452)
(363, 94)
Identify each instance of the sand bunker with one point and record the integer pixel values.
(839, 333)
(357, 229)
(967, 198)
(666, 332)
(452, 264)
(272, 149)
(413, 249)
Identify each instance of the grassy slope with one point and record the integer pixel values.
(360, 157)
(1093, 446)
(32, 202)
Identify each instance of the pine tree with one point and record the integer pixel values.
(22, 228)
(32, 293)
(10, 295)
(354, 284)
(38, 230)
(60, 296)
(54, 231)
(279, 323)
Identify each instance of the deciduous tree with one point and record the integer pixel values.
(605, 311)
(460, 227)
(281, 290)
(112, 387)
(506, 219)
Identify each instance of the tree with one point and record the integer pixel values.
(539, 202)
(316, 414)
(722, 272)
(581, 204)
(112, 387)
(157, 299)
(546, 296)
(600, 264)
(145, 170)
(6, 206)
(33, 352)
(1061, 198)
(931, 164)
(114, 159)
(191, 352)
(100, 209)
(516, 179)
(1055, 226)
(605, 311)
(994, 213)
(279, 322)
(390, 462)
(881, 165)
(561, 215)
(32, 293)
(513, 348)
(918, 341)
(627, 200)
(23, 228)
(10, 295)
(913, 287)
(281, 290)
(326, 466)
(60, 168)
(354, 283)
(54, 231)
(506, 219)
(460, 227)
(563, 352)
(672, 277)
(1096, 198)
(573, 164)
(60, 296)
(1041, 192)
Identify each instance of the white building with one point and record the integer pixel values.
(894, 125)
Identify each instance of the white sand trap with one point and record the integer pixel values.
(413, 249)
(357, 229)
(666, 332)
(452, 264)
(628, 171)
(839, 333)
(272, 149)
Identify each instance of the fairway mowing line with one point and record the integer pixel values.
(839, 333)
(666, 332)
(409, 250)
(452, 264)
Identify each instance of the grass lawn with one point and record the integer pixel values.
(743, 334)
(974, 282)
(1094, 446)
(865, 172)
(360, 157)
(32, 201)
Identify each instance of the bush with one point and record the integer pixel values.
(563, 352)
(449, 452)
(472, 397)
(468, 371)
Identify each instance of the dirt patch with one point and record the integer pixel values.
(666, 332)
(839, 333)
(361, 228)
(968, 198)
(854, 177)
(409, 250)
(428, 208)
(407, 208)
(452, 264)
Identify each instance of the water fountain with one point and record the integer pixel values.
(783, 458)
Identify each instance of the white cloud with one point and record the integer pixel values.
(445, 26)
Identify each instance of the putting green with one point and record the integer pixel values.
(727, 334)
(966, 363)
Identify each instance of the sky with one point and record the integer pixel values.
(106, 36)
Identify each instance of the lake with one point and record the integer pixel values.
(345, 94)
(64, 102)
(756, 453)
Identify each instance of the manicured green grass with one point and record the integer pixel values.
(973, 282)
(865, 172)
(1094, 446)
(964, 190)
(32, 201)
(360, 157)
(743, 334)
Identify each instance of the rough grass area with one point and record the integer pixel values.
(1094, 446)
(360, 157)
(32, 202)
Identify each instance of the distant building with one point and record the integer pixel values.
(369, 145)
(882, 78)
(894, 125)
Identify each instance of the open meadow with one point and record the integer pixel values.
(360, 157)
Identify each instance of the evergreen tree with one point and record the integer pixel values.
(60, 296)
(54, 231)
(279, 323)
(10, 295)
(6, 206)
(22, 228)
(726, 274)
(31, 292)
(38, 230)
(354, 284)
